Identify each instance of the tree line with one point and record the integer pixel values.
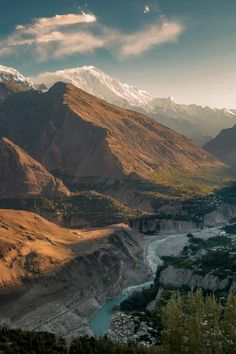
(191, 323)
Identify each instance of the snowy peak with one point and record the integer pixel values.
(196, 122)
(97, 83)
(172, 99)
(9, 75)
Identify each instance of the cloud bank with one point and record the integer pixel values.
(63, 35)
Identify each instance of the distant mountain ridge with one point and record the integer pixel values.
(223, 146)
(196, 122)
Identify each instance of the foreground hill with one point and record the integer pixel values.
(54, 278)
(223, 146)
(76, 134)
(22, 177)
(196, 122)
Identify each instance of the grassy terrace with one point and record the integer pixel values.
(199, 191)
(169, 186)
(90, 208)
(196, 184)
(195, 192)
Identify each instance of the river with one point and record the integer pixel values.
(165, 245)
(101, 321)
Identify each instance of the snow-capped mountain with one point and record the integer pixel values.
(196, 122)
(97, 83)
(9, 75)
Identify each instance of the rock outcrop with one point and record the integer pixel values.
(155, 223)
(178, 277)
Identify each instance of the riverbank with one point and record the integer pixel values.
(157, 247)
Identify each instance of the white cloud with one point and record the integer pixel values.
(48, 33)
(146, 9)
(63, 35)
(150, 37)
(45, 23)
(79, 42)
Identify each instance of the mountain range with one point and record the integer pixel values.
(198, 123)
(194, 121)
(72, 133)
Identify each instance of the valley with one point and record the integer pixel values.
(63, 271)
(104, 211)
(179, 261)
(61, 295)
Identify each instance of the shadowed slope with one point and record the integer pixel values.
(21, 176)
(223, 146)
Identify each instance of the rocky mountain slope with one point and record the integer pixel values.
(223, 146)
(76, 134)
(53, 278)
(5, 91)
(194, 121)
(22, 177)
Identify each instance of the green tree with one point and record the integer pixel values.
(193, 318)
(228, 325)
(173, 324)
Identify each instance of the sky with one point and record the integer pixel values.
(180, 48)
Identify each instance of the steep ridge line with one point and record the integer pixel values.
(76, 134)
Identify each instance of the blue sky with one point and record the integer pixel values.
(183, 48)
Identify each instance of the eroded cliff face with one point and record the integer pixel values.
(222, 214)
(178, 277)
(177, 221)
(54, 279)
(155, 224)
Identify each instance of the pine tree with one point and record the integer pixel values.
(173, 324)
(228, 325)
(193, 322)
